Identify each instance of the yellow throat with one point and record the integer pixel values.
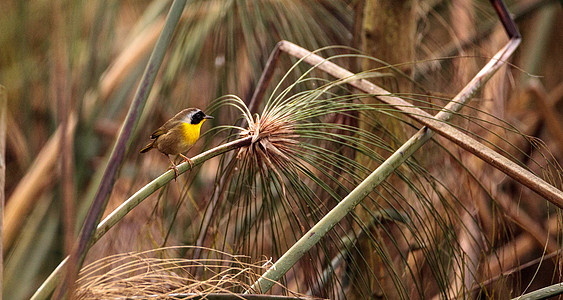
(191, 132)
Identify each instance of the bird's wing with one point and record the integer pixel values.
(160, 131)
(167, 126)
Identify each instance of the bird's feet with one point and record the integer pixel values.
(173, 166)
(187, 159)
(176, 172)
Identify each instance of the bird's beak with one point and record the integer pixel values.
(208, 117)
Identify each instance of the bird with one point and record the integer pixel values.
(178, 135)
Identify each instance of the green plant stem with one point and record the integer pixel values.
(105, 225)
(159, 182)
(274, 273)
(449, 132)
(118, 153)
(543, 293)
(286, 262)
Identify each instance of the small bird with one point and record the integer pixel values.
(178, 135)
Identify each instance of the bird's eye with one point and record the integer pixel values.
(197, 117)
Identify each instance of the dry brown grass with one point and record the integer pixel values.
(162, 274)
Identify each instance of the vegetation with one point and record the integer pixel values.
(444, 224)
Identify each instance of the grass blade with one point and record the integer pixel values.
(49, 284)
(309, 239)
(118, 152)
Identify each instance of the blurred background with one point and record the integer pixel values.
(74, 66)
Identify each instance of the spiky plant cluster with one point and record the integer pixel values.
(309, 149)
(300, 163)
(273, 141)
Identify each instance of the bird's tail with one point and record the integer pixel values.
(148, 147)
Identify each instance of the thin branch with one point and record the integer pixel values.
(105, 225)
(463, 140)
(118, 153)
(303, 245)
(265, 79)
(61, 91)
(511, 259)
(506, 19)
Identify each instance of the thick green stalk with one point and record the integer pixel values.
(446, 130)
(543, 293)
(118, 153)
(274, 273)
(347, 204)
(105, 225)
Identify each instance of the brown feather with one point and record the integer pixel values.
(168, 137)
(158, 132)
(148, 147)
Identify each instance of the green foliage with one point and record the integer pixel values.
(442, 225)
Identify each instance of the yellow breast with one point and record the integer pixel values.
(191, 133)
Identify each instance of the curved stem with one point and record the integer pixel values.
(503, 164)
(106, 224)
(313, 236)
(543, 293)
(99, 202)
